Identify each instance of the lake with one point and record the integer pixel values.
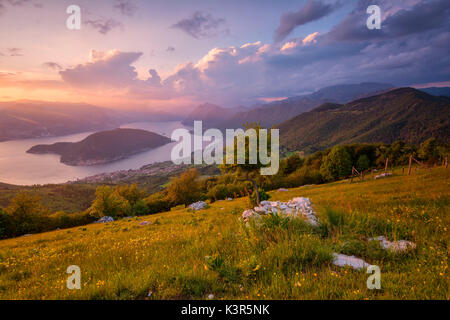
(21, 168)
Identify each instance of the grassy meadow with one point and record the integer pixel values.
(185, 255)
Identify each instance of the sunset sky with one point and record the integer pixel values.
(166, 54)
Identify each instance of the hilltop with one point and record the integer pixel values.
(402, 114)
(103, 147)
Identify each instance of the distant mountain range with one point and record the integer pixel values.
(437, 91)
(279, 111)
(401, 114)
(103, 147)
(34, 119)
(210, 114)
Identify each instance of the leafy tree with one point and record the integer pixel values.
(5, 224)
(363, 162)
(292, 163)
(185, 189)
(26, 214)
(247, 171)
(108, 202)
(157, 202)
(337, 163)
(428, 150)
(135, 198)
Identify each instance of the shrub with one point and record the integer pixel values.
(157, 202)
(185, 189)
(109, 202)
(263, 196)
(363, 163)
(336, 164)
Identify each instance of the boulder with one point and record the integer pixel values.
(200, 205)
(343, 260)
(105, 219)
(395, 246)
(383, 175)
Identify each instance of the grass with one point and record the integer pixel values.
(183, 255)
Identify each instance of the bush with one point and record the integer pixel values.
(263, 196)
(109, 202)
(363, 163)
(224, 191)
(185, 189)
(157, 202)
(337, 164)
(304, 176)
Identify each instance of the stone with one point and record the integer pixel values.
(144, 223)
(200, 205)
(293, 208)
(343, 260)
(105, 219)
(282, 190)
(395, 246)
(383, 175)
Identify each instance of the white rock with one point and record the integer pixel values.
(342, 260)
(282, 190)
(383, 175)
(396, 246)
(198, 205)
(105, 219)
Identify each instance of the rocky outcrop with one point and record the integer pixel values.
(297, 207)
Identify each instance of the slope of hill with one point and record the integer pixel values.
(162, 256)
(103, 147)
(280, 111)
(401, 114)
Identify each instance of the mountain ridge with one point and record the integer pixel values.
(401, 114)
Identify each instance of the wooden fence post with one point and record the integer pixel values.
(410, 163)
(386, 165)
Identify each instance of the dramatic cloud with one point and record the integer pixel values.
(348, 53)
(313, 10)
(126, 7)
(111, 68)
(201, 25)
(103, 25)
(52, 65)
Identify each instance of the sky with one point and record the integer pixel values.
(171, 54)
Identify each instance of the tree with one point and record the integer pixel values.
(247, 171)
(108, 202)
(293, 163)
(337, 164)
(185, 189)
(363, 163)
(429, 150)
(5, 224)
(26, 214)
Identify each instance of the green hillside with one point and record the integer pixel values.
(402, 114)
(184, 255)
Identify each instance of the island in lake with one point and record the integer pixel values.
(103, 147)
